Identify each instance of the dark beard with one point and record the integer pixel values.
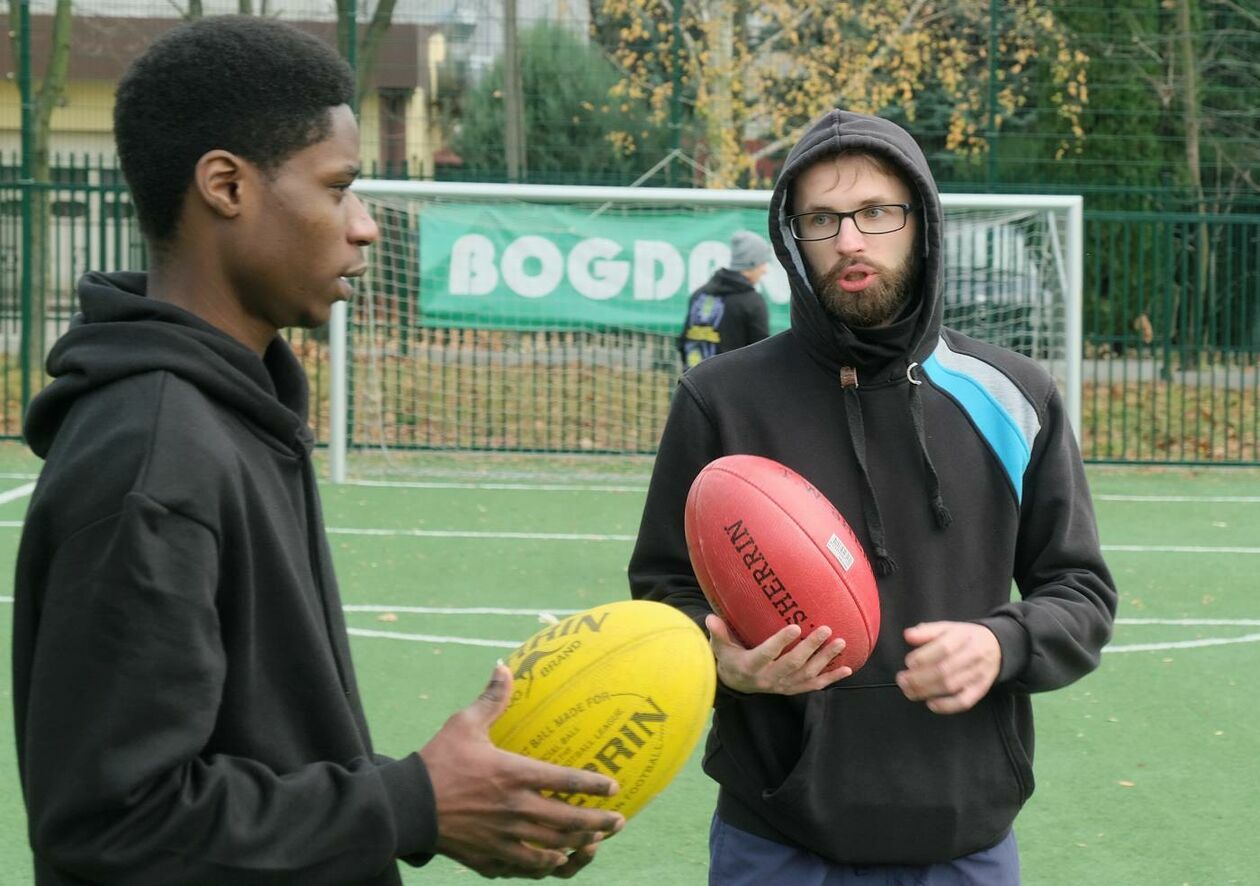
(876, 305)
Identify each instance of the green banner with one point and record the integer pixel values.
(510, 266)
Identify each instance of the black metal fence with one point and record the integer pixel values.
(1172, 343)
(1171, 351)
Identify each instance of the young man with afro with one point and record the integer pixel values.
(186, 707)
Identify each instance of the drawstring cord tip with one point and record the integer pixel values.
(885, 565)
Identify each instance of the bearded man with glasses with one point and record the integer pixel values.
(955, 464)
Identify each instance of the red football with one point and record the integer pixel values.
(769, 550)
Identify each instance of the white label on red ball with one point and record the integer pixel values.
(843, 554)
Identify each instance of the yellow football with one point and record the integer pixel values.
(623, 689)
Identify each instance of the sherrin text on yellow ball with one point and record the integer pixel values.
(623, 689)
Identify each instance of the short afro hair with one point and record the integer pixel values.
(256, 87)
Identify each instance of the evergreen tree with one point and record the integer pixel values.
(574, 131)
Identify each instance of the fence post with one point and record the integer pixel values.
(991, 166)
(1074, 325)
(337, 412)
(341, 312)
(24, 185)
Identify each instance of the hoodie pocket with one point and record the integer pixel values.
(883, 779)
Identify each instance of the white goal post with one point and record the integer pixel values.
(1014, 266)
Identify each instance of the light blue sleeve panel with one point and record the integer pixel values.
(999, 409)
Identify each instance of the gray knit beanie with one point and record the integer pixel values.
(748, 251)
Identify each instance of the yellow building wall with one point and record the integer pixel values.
(84, 124)
(419, 142)
(424, 137)
(370, 132)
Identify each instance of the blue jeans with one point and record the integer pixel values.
(738, 858)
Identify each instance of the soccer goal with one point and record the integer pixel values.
(533, 318)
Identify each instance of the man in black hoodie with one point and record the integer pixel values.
(186, 708)
(955, 463)
(728, 312)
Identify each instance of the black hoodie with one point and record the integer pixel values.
(954, 462)
(725, 313)
(185, 705)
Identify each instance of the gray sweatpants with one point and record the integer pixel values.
(738, 858)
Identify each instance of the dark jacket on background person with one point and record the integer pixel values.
(724, 314)
(185, 702)
(955, 464)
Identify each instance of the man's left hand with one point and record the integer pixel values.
(954, 665)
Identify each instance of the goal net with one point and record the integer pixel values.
(531, 318)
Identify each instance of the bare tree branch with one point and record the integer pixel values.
(1250, 14)
(769, 43)
(1135, 37)
(792, 137)
(15, 36)
(370, 46)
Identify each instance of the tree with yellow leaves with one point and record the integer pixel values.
(746, 70)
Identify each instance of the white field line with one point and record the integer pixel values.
(472, 533)
(1184, 644)
(15, 494)
(433, 638)
(438, 610)
(512, 644)
(520, 487)
(1188, 622)
(618, 537)
(473, 641)
(1204, 499)
(469, 610)
(444, 533)
(642, 487)
(1179, 549)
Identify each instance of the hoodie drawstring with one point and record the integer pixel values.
(883, 561)
(939, 510)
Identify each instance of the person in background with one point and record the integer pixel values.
(728, 312)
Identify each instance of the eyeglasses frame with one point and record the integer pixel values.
(907, 208)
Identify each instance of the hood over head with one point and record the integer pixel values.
(878, 353)
(120, 333)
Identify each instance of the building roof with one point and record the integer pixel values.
(101, 47)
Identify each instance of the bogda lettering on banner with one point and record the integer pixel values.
(597, 268)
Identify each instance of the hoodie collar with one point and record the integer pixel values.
(121, 332)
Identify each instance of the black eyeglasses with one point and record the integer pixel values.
(882, 218)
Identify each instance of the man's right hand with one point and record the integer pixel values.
(766, 668)
(491, 816)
